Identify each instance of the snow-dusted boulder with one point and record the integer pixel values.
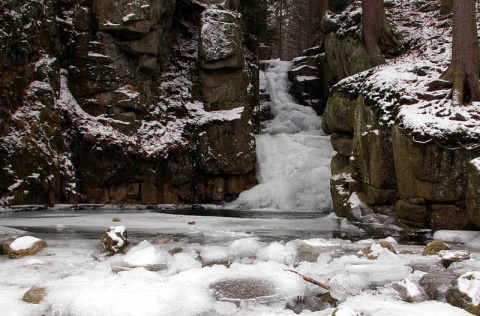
(25, 246)
(115, 239)
(466, 293)
(448, 257)
(221, 43)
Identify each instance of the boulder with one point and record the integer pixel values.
(221, 43)
(436, 284)
(339, 114)
(409, 291)
(25, 246)
(465, 294)
(115, 239)
(428, 171)
(35, 295)
(434, 247)
(448, 257)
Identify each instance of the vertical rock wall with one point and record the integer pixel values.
(125, 102)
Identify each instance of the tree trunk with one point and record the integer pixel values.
(377, 33)
(323, 7)
(446, 6)
(464, 68)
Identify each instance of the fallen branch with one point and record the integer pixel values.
(309, 279)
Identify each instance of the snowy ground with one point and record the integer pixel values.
(219, 266)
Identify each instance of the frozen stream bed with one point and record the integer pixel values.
(214, 266)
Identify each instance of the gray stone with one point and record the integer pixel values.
(220, 43)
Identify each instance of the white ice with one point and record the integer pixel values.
(189, 260)
(293, 154)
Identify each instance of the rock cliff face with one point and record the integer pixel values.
(402, 150)
(108, 101)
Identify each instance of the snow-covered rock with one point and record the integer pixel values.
(25, 246)
(115, 239)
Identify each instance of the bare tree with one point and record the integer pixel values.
(377, 33)
(464, 67)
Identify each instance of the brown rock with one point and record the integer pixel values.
(34, 295)
(17, 252)
(434, 248)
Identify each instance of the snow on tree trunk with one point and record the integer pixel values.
(464, 68)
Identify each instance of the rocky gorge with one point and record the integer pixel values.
(404, 153)
(125, 102)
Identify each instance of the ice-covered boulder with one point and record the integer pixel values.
(25, 246)
(221, 43)
(466, 293)
(115, 239)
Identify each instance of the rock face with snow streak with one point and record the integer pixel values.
(103, 102)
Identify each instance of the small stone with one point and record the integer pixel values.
(35, 295)
(116, 219)
(434, 248)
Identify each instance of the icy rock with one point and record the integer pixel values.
(115, 239)
(434, 248)
(344, 311)
(466, 294)
(25, 246)
(409, 291)
(34, 295)
(237, 290)
(372, 252)
(450, 256)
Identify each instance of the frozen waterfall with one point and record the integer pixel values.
(293, 153)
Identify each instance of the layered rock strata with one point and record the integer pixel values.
(125, 102)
